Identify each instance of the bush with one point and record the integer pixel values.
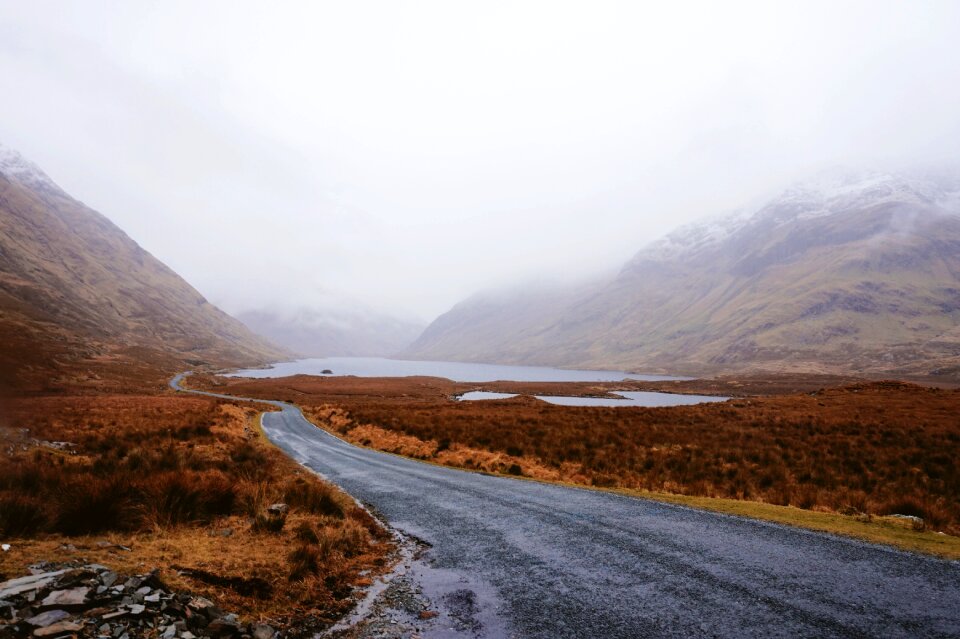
(172, 498)
(265, 522)
(305, 533)
(21, 515)
(313, 497)
(304, 561)
(94, 505)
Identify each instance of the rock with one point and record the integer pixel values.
(199, 604)
(29, 583)
(59, 628)
(263, 631)
(114, 615)
(136, 609)
(223, 628)
(154, 598)
(71, 598)
(74, 577)
(278, 509)
(44, 619)
(169, 633)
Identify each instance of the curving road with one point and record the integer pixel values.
(550, 561)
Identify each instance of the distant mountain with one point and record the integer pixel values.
(76, 292)
(322, 333)
(850, 272)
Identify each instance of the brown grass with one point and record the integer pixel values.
(869, 448)
(182, 481)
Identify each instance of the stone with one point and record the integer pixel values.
(263, 631)
(278, 509)
(223, 628)
(200, 603)
(144, 591)
(114, 615)
(44, 619)
(154, 598)
(59, 628)
(136, 609)
(169, 633)
(29, 583)
(70, 598)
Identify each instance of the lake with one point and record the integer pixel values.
(456, 371)
(630, 398)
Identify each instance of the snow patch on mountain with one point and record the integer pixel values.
(16, 167)
(827, 193)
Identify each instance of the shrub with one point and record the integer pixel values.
(305, 533)
(21, 515)
(93, 505)
(313, 497)
(304, 561)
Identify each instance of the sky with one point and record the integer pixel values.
(401, 156)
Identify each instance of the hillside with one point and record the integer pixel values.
(853, 272)
(328, 332)
(76, 294)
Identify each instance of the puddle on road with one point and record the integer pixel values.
(418, 600)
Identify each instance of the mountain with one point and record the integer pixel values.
(77, 293)
(853, 272)
(326, 332)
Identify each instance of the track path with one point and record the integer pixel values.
(550, 561)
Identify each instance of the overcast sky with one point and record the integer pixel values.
(405, 155)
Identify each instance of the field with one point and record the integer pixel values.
(863, 449)
(181, 484)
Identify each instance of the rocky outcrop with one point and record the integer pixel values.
(93, 601)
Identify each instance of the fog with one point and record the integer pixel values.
(401, 156)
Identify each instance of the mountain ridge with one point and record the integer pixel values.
(76, 291)
(855, 272)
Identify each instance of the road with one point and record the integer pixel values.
(549, 561)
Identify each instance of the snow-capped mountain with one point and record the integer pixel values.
(16, 167)
(850, 271)
(830, 192)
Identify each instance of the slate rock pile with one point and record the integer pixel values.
(91, 600)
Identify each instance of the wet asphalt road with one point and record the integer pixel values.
(550, 561)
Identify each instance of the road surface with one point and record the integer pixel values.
(548, 561)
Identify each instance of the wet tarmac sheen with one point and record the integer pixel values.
(564, 562)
